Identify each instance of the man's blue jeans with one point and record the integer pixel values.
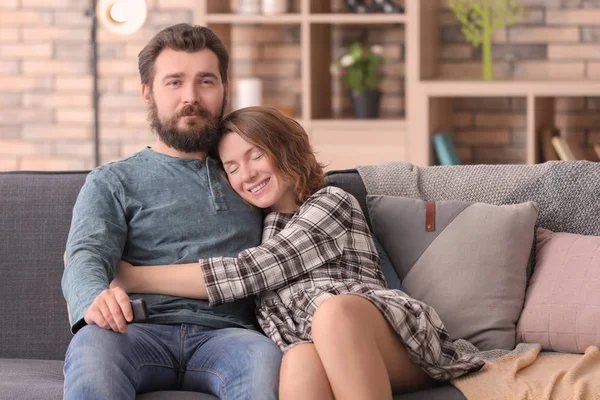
(231, 363)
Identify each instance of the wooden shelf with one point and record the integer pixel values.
(510, 88)
(357, 18)
(291, 18)
(359, 124)
(296, 18)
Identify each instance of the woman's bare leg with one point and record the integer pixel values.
(302, 375)
(362, 355)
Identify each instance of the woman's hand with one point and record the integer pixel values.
(125, 278)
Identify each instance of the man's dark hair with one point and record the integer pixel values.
(181, 37)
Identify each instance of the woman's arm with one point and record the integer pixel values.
(316, 238)
(184, 280)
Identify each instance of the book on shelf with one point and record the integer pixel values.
(568, 149)
(547, 151)
(444, 149)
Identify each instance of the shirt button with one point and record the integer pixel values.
(199, 165)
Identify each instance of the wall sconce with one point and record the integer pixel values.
(122, 17)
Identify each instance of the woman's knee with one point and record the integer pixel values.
(340, 315)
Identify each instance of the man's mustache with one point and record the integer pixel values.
(193, 109)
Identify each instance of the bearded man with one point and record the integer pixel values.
(166, 204)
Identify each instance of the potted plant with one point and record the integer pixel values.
(360, 70)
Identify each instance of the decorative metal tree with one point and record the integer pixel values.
(480, 19)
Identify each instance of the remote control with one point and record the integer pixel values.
(140, 310)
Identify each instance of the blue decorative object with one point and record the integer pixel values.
(445, 150)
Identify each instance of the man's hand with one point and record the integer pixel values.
(111, 309)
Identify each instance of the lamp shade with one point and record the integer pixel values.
(122, 17)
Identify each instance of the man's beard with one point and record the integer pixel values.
(199, 135)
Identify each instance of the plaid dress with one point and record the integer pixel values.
(323, 250)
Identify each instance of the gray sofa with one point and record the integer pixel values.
(35, 214)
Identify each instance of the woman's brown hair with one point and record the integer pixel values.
(284, 141)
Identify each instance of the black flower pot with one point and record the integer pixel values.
(365, 105)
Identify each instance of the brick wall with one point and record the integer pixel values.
(556, 39)
(46, 109)
(45, 81)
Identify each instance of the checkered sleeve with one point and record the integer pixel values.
(312, 238)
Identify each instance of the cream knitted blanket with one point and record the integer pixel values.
(535, 376)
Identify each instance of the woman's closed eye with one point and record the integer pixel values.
(257, 157)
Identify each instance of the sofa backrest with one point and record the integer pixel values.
(35, 216)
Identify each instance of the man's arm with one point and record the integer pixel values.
(95, 244)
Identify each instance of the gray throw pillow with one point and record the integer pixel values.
(466, 260)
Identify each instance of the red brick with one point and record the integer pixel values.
(569, 103)
(118, 68)
(573, 17)
(75, 149)
(10, 100)
(79, 116)
(12, 131)
(533, 70)
(479, 137)
(29, 51)
(9, 163)
(9, 35)
(54, 100)
(457, 52)
(117, 134)
(18, 147)
(55, 34)
(131, 85)
(494, 155)
(543, 34)
(22, 115)
(109, 101)
(75, 18)
(51, 164)
(280, 69)
(75, 84)
(136, 119)
(9, 67)
(574, 52)
(54, 67)
(132, 50)
(71, 51)
(52, 132)
(18, 84)
(54, 4)
(20, 18)
(500, 120)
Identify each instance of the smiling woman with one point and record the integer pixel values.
(322, 297)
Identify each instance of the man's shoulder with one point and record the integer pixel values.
(122, 167)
